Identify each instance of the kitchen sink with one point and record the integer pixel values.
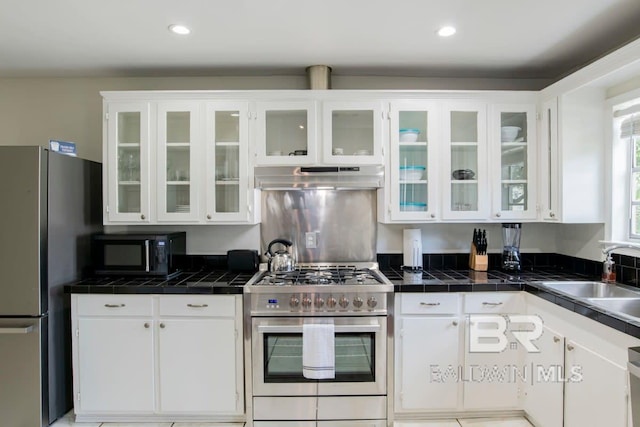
(629, 307)
(589, 289)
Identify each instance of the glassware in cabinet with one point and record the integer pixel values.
(127, 162)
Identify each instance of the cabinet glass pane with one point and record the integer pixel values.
(513, 127)
(178, 126)
(464, 162)
(227, 177)
(464, 196)
(514, 197)
(514, 168)
(464, 126)
(178, 176)
(413, 176)
(286, 132)
(413, 126)
(129, 179)
(352, 132)
(227, 126)
(514, 163)
(129, 127)
(227, 197)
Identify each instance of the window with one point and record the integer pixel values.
(630, 131)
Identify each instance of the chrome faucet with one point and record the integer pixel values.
(607, 251)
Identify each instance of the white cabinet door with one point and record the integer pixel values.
(127, 162)
(543, 399)
(465, 180)
(115, 372)
(595, 391)
(352, 132)
(286, 133)
(427, 364)
(513, 162)
(198, 365)
(413, 192)
(228, 175)
(178, 148)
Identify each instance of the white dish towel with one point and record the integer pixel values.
(318, 351)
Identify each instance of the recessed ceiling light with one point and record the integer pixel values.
(446, 31)
(179, 29)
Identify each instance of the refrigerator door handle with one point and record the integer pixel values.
(146, 256)
(17, 330)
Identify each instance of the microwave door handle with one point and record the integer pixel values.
(297, 329)
(147, 266)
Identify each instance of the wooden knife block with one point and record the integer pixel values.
(478, 262)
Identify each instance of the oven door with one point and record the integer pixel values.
(360, 357)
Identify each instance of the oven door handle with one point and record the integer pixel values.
(297, 329)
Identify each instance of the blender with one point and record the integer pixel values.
(511, 250)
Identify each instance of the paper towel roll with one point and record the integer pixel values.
(412, 243)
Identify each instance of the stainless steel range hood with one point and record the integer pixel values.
(314, 177)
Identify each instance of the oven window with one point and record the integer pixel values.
(355, 358)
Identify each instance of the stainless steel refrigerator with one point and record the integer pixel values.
(49, 205)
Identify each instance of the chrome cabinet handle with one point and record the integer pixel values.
(143, 217)
(492, 303)
(556, 339)
(146, 325)
(498, 215)
(114, 305)
(208, 216)
(162, 325)
(454, 323)
(430, 304)
(17, 330)
(570, 347)
(197, 305)
(552, 215)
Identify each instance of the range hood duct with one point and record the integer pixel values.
(319, 77)
(319, 177)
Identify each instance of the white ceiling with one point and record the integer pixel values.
(496, 38)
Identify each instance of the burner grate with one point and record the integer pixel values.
(325, 275)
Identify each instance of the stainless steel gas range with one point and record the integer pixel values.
(353, 298)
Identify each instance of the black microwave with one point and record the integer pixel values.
(138, 254)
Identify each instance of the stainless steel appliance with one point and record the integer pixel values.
(51, 203)
(337, 281)
(634, 382)
(138, 254)
(511, 250)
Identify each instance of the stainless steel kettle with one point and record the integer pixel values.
(280, 260)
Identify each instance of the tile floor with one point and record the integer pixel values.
(67, 421)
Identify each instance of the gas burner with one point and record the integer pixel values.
(320, 277)
(274, 279)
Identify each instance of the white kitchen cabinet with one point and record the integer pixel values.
(493, 375)
(596, 392)
(465, 173)
(512, 160)
(572, 169)
(353, 132)
(228, 176)
(158, 357)
(412, 193)
(114, 371)
(178, 150)
(543, 400)
(286, 133)
(127, 156)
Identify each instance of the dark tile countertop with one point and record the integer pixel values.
(204, 282)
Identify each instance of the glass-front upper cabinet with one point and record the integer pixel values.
(178, 137)
(286, 133)
(352, 132)
(227, 177)
(127, 149)
(413, 158)
(465, 178)
(513, 148)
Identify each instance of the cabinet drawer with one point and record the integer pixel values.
(115, 305)
(284, 408)
(429, 303)
(198, 305)
(494, 302)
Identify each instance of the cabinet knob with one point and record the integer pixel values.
(552, 215)
(498, 215)
(143, 217)
(433, 215)
(162, 325)
(569, 347)
(454, 323)
(146, 325)
(208, 216)
(556, 339)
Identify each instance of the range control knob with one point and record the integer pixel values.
(331, 302)
(357, 302)
(306, 302)
(294, 302)
(318, 302)
(344, 302)
(372, 302)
